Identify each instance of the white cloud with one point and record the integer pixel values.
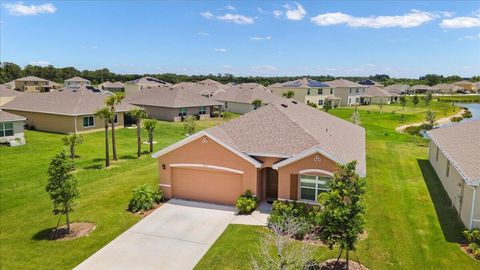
(260, 10)
(263, 69)
(205, 34)
(220, 50)
(39, 63)
(236, 18)
(446, 14)
(277, 13)
(294, 13)
(461, 22)
(261, 38)
(207, 14)
(412, 19)
(470, 37)
(228, 7)
(226, 66)
(20, 9)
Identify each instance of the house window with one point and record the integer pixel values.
(320, 102)
(436, 155)
(308, 92)
(35, 83)
(311, 186)
(182, 112)
(447, 173)
(226, 105)
(202, 110)
(356, 90)
(350, 91)
(6, 129)
(331, 91)
(320, 92)
(88, 121)
(356, 100)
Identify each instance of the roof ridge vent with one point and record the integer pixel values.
(294, 102)
(284, 105)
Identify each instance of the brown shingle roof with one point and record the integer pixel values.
(461, 145)
(343, 83)
(247, 93)
(169, 97)
(67, 102)
(200, 88)
(7, 92)
(10, 117)
(113, 85)
(378, 92)
(300, 83)
(31, 79)
(149, 81)
(276, 129)
(77, 79)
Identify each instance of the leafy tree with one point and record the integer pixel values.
(327, 105)
(257, 103)
(356, 116)
(111, 102)
(150, 126)
(430, 117)
(227, 116)
(62, 185)
(342, 217)
(428, 98)
(403, 101)
(415, 100)
(107, 116)
(138, 115)
(189, 125)
(289, 94)
(9, 72)
(72, 140)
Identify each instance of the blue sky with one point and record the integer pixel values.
(266, 38)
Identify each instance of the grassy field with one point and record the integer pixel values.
(26, 211)
(459, 98)
(410, 223)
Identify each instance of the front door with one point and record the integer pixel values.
(271, 184)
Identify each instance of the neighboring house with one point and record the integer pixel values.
(239, 98)
(421, 89)
(76, 82)
(398, 89)
(206, 88)
(170, 103)
(447, 88)
(137, 85)
(11, 128)
(350, 93)
(477, 87)
(369, 82)
(113, 87)
(7, 94)
(283, 151)
(306, 91)
(67, 111)
(32, 84)
(455, 156)
(466, 85)
(376, 95)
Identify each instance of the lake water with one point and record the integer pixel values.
(474, 108)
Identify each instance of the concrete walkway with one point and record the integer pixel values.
(259, 217)
(175, 236)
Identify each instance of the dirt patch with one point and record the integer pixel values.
(439, 121)
(77, 229)
(464, 248)
(342, 264)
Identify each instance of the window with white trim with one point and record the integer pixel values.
(311, 186)
(320, 91)
(6, 129)
(320, 102)
(308, 92)
(89, 121)
(182, 112)
(202, 110)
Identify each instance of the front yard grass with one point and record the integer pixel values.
(410, 223)
(26, 211)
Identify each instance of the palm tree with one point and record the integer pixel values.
(257, 103)
(138, 115)
(111, 102)
(150, 125)
(106, 115)
(72, 140)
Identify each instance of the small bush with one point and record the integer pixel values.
(467, 113)
(144, 198)
(456, 119)
(473, 239)
(247, 202)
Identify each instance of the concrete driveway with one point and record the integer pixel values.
(175, 236)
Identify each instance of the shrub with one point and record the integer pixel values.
(247, 202)
(467, 113)
(144, 198)
(473, 239)
(456, 119)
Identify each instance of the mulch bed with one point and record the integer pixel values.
(148, 212)
(342, 264)
(464, 248)
(77, 229)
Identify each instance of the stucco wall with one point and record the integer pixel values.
(235, 107)
(18, 132)
(171, 114)
(131, 89)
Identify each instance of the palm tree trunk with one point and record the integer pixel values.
(139, 138)
(72, 151)
(67, 220)
(114, 145)
(107, 154)
(150, 138)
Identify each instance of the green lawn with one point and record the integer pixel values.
(410, 223)
(104, 194)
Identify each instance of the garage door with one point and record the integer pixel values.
(206, 185)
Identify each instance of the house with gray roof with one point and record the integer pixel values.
(7, 94)
(113, 87)
(376, 95)
(206, 88)
(447, 88)
(350, 93)
(11, 128)
(455, 156)
(139, 84)
(421, 89)
(398, 89)
(76, 82)
(32, 84)
(306, 91)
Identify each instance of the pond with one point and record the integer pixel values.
(474, 108)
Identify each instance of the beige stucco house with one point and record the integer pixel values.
(466, 85)
(350, 93)
(11, 129)
(398, 89)
(76, 82)
(283, 151)
(455, 156)
(67, 111)
(376, 95)
(307, 91)
(206, 88)
(113, 87)
(32, 84)
(137, 85)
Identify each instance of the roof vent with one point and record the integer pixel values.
(294, 102)
(284, 105)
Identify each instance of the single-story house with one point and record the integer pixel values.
(368, 82)
(375, 95)
(170, 103)
(76, 82)
(455, 156)
(238, 98)
(203, 88)
(398, 89)
(32, 84)
(286, 150)
(137, 85)
(466, 85)
(11, 128)
(7, 94)
(113, 87)
(447, 88)
(67, 111)
(421, 89)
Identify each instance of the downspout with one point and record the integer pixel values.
(473, 207)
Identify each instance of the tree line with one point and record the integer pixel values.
(11, 71)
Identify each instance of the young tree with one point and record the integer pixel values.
(72, 140)
(356, 116)
(288, 94)
(106, 115)
(403, 101)
(428, 98)
(431, 119)
(189, 125)
(62, 185)
(257, 103)
(327, 105)
(342, 217)
(138, 115)
(150, 126)
(227, 116)
(415, 100)
(111, 102)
